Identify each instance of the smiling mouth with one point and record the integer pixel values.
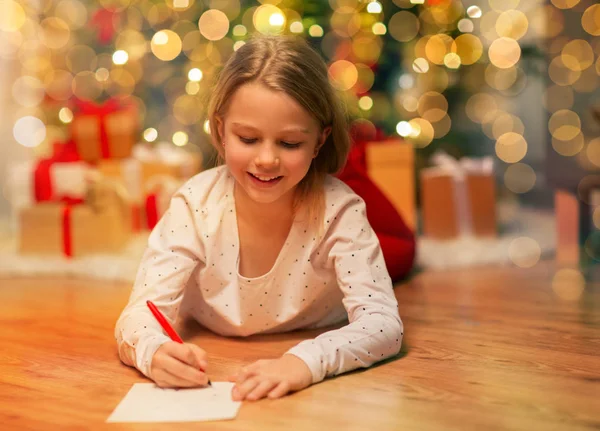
(265, 178)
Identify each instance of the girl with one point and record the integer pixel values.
(269, 241)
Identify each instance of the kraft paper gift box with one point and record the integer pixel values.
(458, 198)
(106, 131)
(148, 162)
(567, 210)
(97, 224)
(166, 159)
(150, 192)
(35, 181)
(391, 166)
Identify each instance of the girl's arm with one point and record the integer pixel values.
(375, 330)
(174, 250)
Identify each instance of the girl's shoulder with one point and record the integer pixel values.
(211, 185)
(338, 194)
(340, 201)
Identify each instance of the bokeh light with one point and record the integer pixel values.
(565, 4)
(512, 24)
(343, 74)
(524, 252)
(474, 12)
(590, 20)
(593, 152)
(28, 91)
(29, 131)
(166, 45)
(468, 47)
(577, 55)
(268, 19)
(519, 178)
(404, 26)
(564, 125)
(504, 52)
(12, 17)
(180, 138)
(511, 147)
(568, 284)
(150, 134)
(569, 147)
(213, 24)
(65, 115)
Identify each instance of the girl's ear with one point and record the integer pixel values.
(322, 138)
(220, 127)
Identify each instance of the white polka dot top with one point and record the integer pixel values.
(190, 266)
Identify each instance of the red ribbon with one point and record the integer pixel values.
(85, 108)
(66, 229)
(151, 211)
(67, 234)
(42, 183)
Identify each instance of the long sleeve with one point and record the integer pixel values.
(174, 251)
(375, 329)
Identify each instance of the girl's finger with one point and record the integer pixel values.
(261, 390)
(201, 356)
(240, 391)
(184, 371)
(164, 379)
(280, 390)
(243, 375)
(185, 354)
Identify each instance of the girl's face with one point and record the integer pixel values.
(269, 142)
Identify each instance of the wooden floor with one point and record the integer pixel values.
(486, 349)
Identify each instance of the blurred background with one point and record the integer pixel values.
(479, 119)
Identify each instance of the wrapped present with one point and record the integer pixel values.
(390, 164)
(147, 163)
(106, 131)
(62, 175)
(159, 191)
(458, 197)
(567, 209)
(166, 159)
(98, 223)
(126, 171)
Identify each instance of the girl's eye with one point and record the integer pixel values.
(290, 145)
(247, 140)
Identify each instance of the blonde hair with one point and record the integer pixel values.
(289, 64)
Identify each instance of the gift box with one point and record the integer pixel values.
(150, 192)
(99, 223)
(106, 131)
(567, 211)
(458, 198)
(166, 159)
(390, 165)
(147, 163)
(60, 176)
(158, 194)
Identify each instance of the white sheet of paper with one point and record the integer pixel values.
(146, 402)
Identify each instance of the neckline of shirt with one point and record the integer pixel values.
(236, 237)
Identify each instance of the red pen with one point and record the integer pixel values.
(166, 326)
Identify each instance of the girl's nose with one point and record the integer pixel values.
(267, 156)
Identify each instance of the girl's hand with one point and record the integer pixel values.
(176, 365)
(271, 378)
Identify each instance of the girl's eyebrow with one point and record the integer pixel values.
(288, 130)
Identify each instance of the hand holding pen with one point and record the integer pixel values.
(177, 364)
